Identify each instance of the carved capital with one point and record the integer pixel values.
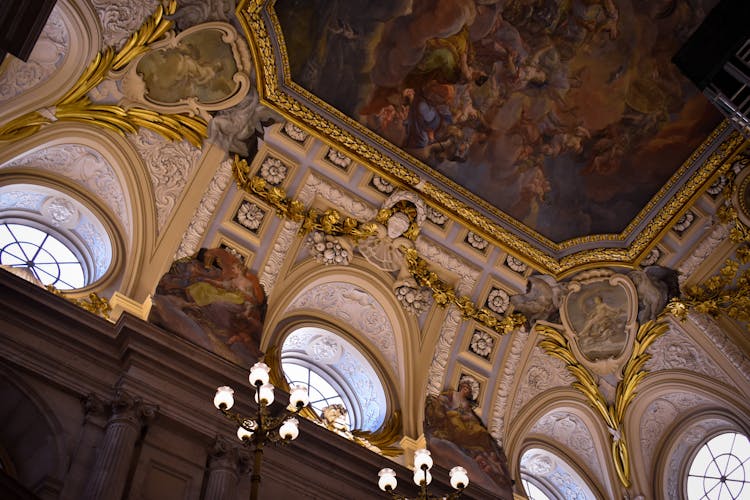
(128, 408)
(92, 405)
(225, 454)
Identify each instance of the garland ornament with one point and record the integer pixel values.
(331, 222)
(444, 294)
(93, 303)
(728, 292)
(613, 414)
(75, 106)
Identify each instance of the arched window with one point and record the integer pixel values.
(51, 261)
(533, 492)
(320, 389)
(53, 236)
(547, 476)
(335, 372)
(720, 469)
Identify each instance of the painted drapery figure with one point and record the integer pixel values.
(212, 300)
(456, 436)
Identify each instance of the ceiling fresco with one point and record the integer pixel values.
(564, 122)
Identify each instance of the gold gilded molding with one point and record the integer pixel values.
(727, 292)
(330, 222)
(259, 22)
(556, 345)
(444, 294)
(333, 223)
(75, 106)
(92, 303)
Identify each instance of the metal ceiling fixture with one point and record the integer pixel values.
(264, 428)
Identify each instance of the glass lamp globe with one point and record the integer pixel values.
(224, 399)
(298, 397)
(289, 430)
(422, 475)
(264, 394)
(244, 434)
(259, 374)
(459, 477)
(387, 481)
(422, 459)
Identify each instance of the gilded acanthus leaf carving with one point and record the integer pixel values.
(75, 106)
(613, 414)
(727, 292)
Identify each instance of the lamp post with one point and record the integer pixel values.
(422, 477)
(264, 428)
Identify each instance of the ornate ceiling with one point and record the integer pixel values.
(566, 153)
(562, 133)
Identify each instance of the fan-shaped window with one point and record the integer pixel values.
(533, 492)
(53, 236)
(335, 372)
(546, 475)
(50, 260)
(721, 469)
(322, 392)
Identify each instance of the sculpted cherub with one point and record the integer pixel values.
(397, 225)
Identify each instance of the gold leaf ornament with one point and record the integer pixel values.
(75, 106)
(556, 345)
(331, 222)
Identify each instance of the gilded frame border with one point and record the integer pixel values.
(277, 91)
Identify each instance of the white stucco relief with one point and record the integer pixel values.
(48, 55)
(507, 377)
(719, 233)
(659, 415)
(170, 165)
(436, 374)
(721, 341)
(541, 372)
(84, 166)
(120, 19)
(341, 200)
(675, 350)
(205, 211)
(467, 278)
(356, 308)
(277, 256)
(548, 467)
(570, 430)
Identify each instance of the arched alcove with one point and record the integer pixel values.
(683, 443)
(357, 305)
(673, 414)
(335, 370)
(29, 434)
(553, 474)
(561, 420)
(56, 236)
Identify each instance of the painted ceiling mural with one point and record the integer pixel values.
(566, 115)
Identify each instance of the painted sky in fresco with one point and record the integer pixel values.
(566, 115)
